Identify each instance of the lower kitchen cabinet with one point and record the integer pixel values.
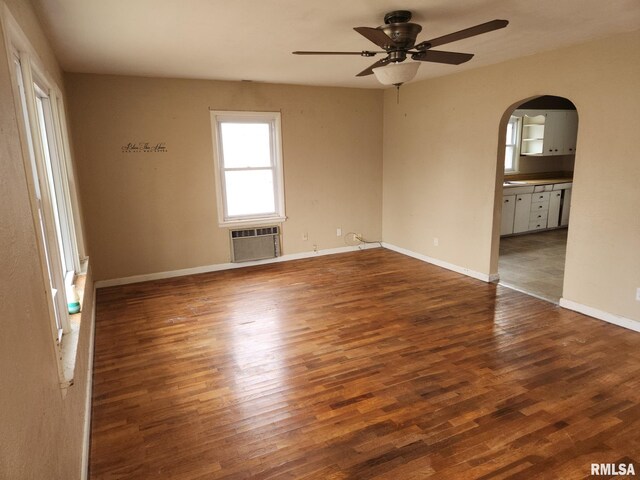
(508, 213)
(566, 207)
(522, 213)
(548, 206)
(553, 219)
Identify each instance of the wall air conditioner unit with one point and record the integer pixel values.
(249, 244)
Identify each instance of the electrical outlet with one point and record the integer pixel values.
(338, 232)
(315, 248)
(638, 294)
(436, 242)
(305, 236)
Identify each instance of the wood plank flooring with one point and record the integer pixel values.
(365, 365)
(534, 263)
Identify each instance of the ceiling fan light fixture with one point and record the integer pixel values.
(396, 73)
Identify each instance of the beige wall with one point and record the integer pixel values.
(441, 158)
(147, 213)
(41, 430)
(528, 164)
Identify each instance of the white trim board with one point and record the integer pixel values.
(441, 263)
(86, 440)
(228, 266)
(600, 315)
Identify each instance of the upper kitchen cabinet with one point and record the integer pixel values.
(548, 132)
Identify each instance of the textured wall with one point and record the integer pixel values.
(154, 212)
(41, 429)
(441, 149)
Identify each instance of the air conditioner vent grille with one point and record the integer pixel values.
(255, 232)
(249, 244)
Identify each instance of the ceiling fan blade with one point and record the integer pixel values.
(462, 34)
(438, 56)
(364, 53)
(368, 71)
(376, 36)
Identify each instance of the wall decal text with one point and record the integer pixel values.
(144, 147)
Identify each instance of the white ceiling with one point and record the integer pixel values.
(253, 39)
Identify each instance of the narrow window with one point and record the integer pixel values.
(248, 167)
(511, 149)
(53, 213)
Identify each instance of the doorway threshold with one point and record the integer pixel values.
(550, 299)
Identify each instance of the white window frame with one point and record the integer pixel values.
(517, 128)
(273, 119)
(49, 175)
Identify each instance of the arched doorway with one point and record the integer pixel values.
(533, 201)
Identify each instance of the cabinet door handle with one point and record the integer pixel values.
(506, 201)
(519, 199)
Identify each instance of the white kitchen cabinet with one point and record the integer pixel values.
(533, 133)
(548, 132)
(508, 214)
(537, 207)
(538, 220)
(570, 132)
(566, 207)
(553, 218)
(561, 132)
(522, 213)
(553, 133)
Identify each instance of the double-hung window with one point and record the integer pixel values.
(511, 152)
(47, 161)
(248, 158)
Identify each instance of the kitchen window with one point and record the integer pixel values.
(511, 153)
(248, 157)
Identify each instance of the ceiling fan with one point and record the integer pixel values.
(397, 38)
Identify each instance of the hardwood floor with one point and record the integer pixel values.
(355, 366)
(534, 263)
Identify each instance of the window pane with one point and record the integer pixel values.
(249, 192)
(246, 144)
(510, 139)
(54, 191)
(508, 158)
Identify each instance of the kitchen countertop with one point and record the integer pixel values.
(541, 181)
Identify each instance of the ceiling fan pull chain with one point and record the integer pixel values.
(398, 94)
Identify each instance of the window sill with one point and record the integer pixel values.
(252, 221)
(69, 346)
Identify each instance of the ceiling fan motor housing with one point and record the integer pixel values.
(398, 28)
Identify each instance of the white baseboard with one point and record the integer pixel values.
(228, 266)
(601, 315)
(86, 437)
(441, 263)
